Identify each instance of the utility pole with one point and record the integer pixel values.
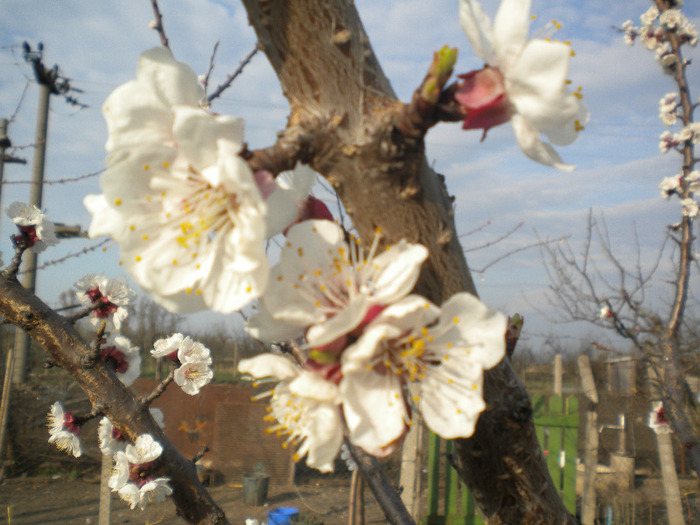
(50, 83)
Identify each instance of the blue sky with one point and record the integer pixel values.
(97, 45)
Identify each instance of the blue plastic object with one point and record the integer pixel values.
(281, 515)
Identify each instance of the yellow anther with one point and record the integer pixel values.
(138, 258)
(165, 164)
(146, 167)
(118, 202)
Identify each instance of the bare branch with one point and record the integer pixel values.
(212, 64)
(229, 79)
(146, 400)
(497, 240)
(157, 24)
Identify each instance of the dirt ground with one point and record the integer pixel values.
(63, 500)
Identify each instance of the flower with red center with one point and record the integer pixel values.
(483, 98)
(64, 430)
(524, 81)
(134, 475)
(413, 343)
(657, 421)
(122, 357)
(111, 440)
(193, 360)
(108, 297)
(36, 232)
(324, 288)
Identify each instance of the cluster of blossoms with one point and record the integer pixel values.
(108, 298)
(190, 215)
(524, 81)
(193, 360)
(371, 346)
(665, 32)
(133, 477)
(668, 107)
(654, 32)
(35, 231)
(111, 440)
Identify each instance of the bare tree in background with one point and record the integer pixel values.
(645, 300)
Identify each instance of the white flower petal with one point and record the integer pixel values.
(313, 386)
(154, 491)
(343, 322)
(130, 493)
(531, 144)
(325, 438)
(510, 29)
(120, 471)
(145, 449)
(398, 269)
(268, 365)
(477, 26)
(374, 409)
(451, 411)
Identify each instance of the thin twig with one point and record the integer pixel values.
(477, 229)
(212, 64)
(82, 313)
(157, 24)
(497, 240)
(146, 400)
(229, 79)
(13, 268)
(513, 252)
(200, 454)
(89, 360)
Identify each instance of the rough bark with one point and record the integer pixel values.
(346, 122)
(106, 393)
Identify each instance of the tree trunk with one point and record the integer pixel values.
(346, 123)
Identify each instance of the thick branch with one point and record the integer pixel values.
(327, 69)
(65, 347)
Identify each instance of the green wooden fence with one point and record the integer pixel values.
(556, 425)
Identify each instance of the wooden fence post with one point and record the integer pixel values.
(588, 505)
(105, 493)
